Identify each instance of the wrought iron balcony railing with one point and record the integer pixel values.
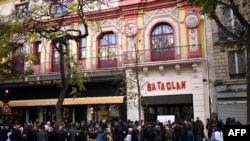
(163, 54)
(129, 57)
(237, 30)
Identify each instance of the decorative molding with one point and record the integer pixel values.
(145, 70)
(192, 20)
(161, 69)
(177, 68)
(194, 66)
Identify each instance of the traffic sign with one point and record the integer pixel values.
(6, 108)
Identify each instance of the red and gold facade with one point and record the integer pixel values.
(167, 39)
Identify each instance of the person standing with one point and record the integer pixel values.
(42, 135)
(198, 130)
(139, 133)
(9, 133)
(61, 134)
(4, 132)
(16, 133)
(217, 134)
(169, 133)
(188, 131)
(209, 128)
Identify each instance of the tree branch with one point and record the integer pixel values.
(239, 16)
(224, 29)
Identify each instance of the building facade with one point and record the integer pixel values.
(227, 68)
(160, 42)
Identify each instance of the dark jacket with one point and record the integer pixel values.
(16, 135)
(42, 136)
(148, 133)
(61, 135)
(3, 134)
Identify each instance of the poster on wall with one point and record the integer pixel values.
(165, 119)
(103, 115)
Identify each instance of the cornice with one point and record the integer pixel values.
(6, 1)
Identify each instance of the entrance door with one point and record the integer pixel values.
(48, 113)
(33, 113)
(180, 111)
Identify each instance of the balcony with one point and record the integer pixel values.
(163, 54)
(108, 63)
(118, 61)
(237, 30)
(20, 69)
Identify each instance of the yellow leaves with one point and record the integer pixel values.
(95, 25)
(30, 57)
(73, 7)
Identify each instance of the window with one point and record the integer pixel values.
(21, 10)
(162, 43)
(231, 23)
(237, 64)
(162, 38)
(82, 49)
(107, 46)
(19, 55)
(37, 52)
(107, 51)
(56, 57)
(230, 20)
(60, 7)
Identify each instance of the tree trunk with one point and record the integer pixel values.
(58, 108)
(64, 82)
(139, 98)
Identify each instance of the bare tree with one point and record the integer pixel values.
(135, 83)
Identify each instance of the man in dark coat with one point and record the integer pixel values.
(42, 135)
(148, 132)
(3, 132)
(61, 134)
(16, 133)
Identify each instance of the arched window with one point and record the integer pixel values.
(107, 50)
(162, 42)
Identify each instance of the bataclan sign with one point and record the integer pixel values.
(170, 85)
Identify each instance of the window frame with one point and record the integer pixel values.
(161, 32)
(37, 52)
(106, 47)
(60, 8)
(19, 57)
(21, 9)
(235, 64)
(82, 47)
(56, 54)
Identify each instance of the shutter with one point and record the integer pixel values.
(235, 110)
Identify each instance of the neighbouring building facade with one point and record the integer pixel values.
(227, 68)
(161, 41)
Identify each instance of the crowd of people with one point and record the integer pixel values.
(186, 130)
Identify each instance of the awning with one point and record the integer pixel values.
(67, 101)
(168, 99)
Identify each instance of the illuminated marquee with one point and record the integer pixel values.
(171, 85)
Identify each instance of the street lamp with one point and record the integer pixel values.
(6, 95)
